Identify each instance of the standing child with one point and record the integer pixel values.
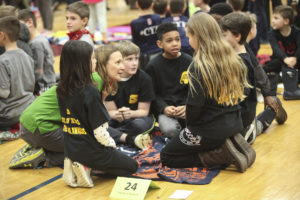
(85, 120)
(217, 80)
(16, 75)
(144, 31)
(98, 15)
(285, 43)
(129, 107)
(168, 71)
(177, 8)
(77, 17)
(42, 53)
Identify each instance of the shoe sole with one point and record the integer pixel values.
(69, 176)
(83, 180)
(238, 157)
(145, 139)
(282, 115)
(244, 147)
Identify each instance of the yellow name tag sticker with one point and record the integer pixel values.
(131, 188)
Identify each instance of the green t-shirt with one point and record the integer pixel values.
(44, 112)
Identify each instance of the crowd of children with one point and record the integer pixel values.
(197, 76)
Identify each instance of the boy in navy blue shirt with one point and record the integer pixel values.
(143, 30)
(177, 8)
(169, 77)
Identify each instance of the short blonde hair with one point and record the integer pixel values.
(128, 48)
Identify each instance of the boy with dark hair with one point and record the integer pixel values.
(143, 30)
(160, 7)
(219, 10)
(129, 107)
(24, 35)
(285, 43)
(16, 75)
(42, 53)
(77, 16)
(177, 8)
(236, 27)
(169, 77)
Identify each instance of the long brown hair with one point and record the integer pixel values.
(75, 67)
(222, 70)
(102, 54)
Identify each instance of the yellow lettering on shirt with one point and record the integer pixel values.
(133, 98)
(184, 78)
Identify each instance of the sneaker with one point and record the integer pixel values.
(28, 157)
(142, 140)
(8, 136)
(69, 176)
(83, 175)
(281, 115)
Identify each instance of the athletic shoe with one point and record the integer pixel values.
(28, 157)
(83, 175)
(142, 140)
(69, 176)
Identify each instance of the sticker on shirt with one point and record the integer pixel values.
(184, 78)
(133, 98)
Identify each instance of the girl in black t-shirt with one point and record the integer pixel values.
(88, 144)
(217, 81)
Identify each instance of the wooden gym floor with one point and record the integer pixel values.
(274, 175)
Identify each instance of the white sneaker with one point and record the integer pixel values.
(69, 176)
(83, 175)
(142, 140)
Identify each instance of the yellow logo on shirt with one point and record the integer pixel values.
(133, 98)
(71, 125)
(184, 78)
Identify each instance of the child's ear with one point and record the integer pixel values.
(2, 35)
(238, 37)
(286, 21)
(158, 42)
(85, 21)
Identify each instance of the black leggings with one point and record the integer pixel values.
(180, 152)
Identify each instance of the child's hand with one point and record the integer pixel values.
(126, 112)
(170, 111)
(180, 112)
(270, 101)
(118, 116)
(290, 61)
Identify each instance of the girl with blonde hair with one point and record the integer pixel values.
(217, 78)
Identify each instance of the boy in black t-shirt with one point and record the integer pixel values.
(129, 107)
(285, 43)
(236, 27)
(169, 77)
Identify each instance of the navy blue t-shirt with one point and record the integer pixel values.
(143, 30)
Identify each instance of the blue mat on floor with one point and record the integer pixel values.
(150, 166)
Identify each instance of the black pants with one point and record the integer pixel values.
(182, 150)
